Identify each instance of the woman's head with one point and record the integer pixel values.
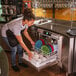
(28, 17)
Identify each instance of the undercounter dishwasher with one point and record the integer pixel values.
(62, 40)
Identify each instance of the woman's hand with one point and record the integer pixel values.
(19, 38)
(33, 43)
(30, 55)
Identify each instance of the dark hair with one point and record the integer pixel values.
(28, 14)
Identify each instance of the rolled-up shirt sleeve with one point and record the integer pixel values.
(16, 31)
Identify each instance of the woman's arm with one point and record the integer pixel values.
(28, 37)
(19, 38)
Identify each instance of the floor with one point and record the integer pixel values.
(50, 71)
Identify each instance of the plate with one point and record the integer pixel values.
(51, 47)
(43, 42)
(38, 45)
(45, 50)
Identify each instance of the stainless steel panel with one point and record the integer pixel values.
(70, 57)
(60, 50)
(65, 52)
(74, 63)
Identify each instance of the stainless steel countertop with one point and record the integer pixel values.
(58, 26)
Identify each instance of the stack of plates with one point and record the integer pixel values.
(38, 44)
(43, 47)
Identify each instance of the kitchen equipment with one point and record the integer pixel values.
(50, 57)
(64, 45)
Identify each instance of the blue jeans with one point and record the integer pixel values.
(14, 51)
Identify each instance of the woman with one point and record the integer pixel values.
(16, 26)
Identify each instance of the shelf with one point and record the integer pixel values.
(49, 3)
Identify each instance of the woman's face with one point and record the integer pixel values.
(29, 23)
